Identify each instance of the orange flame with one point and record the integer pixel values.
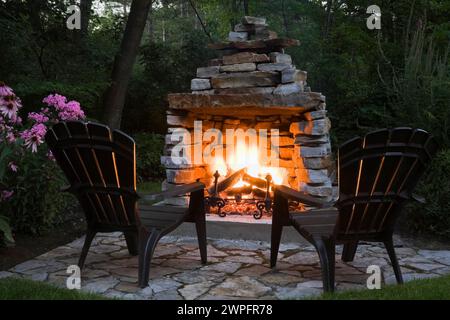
(249, 157)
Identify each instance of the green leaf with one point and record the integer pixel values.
(5, 152)
(6, 229)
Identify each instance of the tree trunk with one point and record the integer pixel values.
(39, 42)
(326, 28)
(285, 20)
(85, 8)
(235, 11)
(163, 31)
(34, 8)
(246, 11)
(201, 21)
(151, 27)
(123, 62)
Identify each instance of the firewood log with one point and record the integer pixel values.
(257, 182)
(228, 182)
(239, 190)
(260, 193)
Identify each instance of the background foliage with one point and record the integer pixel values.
(396, 76)
(150, 148)
(433, 217)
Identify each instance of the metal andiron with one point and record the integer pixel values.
(260, 199)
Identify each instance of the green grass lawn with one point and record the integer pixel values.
(424, 289)
(149, 186)
(23, 289)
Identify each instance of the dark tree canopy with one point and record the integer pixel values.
(372, 78)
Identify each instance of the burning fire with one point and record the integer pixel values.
(250, 157)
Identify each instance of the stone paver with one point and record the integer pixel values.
(236, 269)
(240, 287)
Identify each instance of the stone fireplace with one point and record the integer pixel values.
(252, 117)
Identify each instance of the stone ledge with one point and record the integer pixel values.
(255, 104)
(269, 44)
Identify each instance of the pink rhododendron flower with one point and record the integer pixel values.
(66, 110)
(5, 194)
(34, 136)
(55, 100)
(71, 111)
(5, 90)
(38, 117)
(57, 109)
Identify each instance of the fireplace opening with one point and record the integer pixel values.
(250, 122)
(233, 195)
(243, 179)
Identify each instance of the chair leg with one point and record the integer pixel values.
(277, 230)
(326, 250)
(131, 239)
(200, 225)
(147, 244)
(90, 235)
(349, 251)
(389, 244)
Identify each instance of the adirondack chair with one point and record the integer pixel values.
(376, 175)
(100, 165)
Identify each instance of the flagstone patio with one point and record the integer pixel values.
(236, 269)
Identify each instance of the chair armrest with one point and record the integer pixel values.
(177, 191)
(302, 197)
(418, 198)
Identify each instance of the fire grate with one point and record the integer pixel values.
(262, 204)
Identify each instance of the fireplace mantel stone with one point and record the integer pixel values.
(255, 104)
(262, 45)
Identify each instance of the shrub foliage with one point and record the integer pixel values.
(434, 216)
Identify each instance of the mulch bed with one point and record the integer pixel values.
(29, 246)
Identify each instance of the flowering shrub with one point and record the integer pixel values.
(27, 177)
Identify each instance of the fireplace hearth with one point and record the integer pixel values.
(249, 122)
(248, 199)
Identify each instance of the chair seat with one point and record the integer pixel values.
(161, 216)
(317, 222)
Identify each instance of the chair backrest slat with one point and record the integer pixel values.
(91, 204)
(376, 174)
(83, 156)
(101, 168)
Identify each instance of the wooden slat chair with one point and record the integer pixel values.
(377, 174)
(100, 165)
